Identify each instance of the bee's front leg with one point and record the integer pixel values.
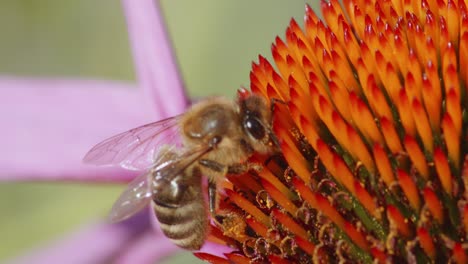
(237, 168)
(240, 168)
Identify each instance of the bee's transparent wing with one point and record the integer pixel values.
(136, 196)
(135, 149)
(165, 172)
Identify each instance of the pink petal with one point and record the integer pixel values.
(104, 243)
(49, 125)
(147, 250)
(156, 68)
(215, 249)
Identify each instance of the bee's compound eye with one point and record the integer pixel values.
(254, 127)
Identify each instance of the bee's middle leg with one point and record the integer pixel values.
(223, 169)
(212, 189)
(212, 198)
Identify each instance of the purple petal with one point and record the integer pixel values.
(215, 249)
(147, 249)
(156, 68)
(48, 126)
(125, 242)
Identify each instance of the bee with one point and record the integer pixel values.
(215, 137)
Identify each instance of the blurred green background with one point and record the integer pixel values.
(215, 42)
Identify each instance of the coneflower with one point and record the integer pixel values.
(373, 134)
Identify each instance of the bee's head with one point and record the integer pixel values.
(256, 118)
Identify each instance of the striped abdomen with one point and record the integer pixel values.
(185, 220)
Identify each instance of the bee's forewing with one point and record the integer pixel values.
(136, 196)
(135, 149)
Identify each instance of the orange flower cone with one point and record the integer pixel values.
(373, 133)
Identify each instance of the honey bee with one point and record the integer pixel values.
(215, 137)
